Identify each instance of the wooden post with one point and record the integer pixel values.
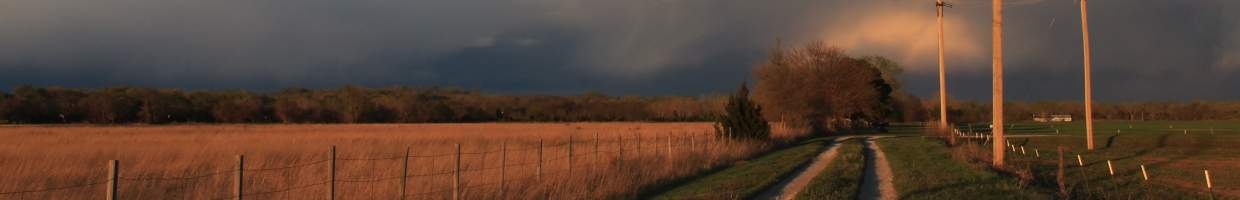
(638, 136)
(669, 146)
(1080, 161)
(1089, 91)
(1022, 150)
(404, 174)
(540, 159)
(503, 169)
(1035, 153)
(692, 142)
(113, 173)
(331, 186)
(942, 75)
(620, 147)
(1059, 175)
(239, 178)
(596, 157)
(997, 75)
(456, 174)
(570, 155)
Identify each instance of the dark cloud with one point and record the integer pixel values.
(1143, 49)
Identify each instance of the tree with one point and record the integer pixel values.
(6, 106)
(239, 107)
(744, 118)
(821, 87)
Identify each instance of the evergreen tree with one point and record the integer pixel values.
(743, 119)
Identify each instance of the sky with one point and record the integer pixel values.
(1142, 49)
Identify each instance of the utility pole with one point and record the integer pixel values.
(997, 101)
(943, 128)
(1089, 93)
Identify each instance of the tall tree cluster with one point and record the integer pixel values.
(348, 104)
(821, 87)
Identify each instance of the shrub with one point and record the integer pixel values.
(743, 119)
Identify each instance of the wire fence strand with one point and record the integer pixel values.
(53, 188)
(179, 178)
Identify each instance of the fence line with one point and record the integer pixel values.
(983, 137)
(661, 147)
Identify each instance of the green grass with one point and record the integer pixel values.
(924, 169)
(749, 178)
(842, 178)
(1173, 159)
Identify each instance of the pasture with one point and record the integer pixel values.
(1175, 155)
(493, 161)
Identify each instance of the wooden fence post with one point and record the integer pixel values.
(669, 147)
(540, 159)
(1059, 175)
(596, 158)
(239, 178)
(692, 143)
(619, 149)
(503, 169)
(638, 148)
(113, 173)
(456, 174)
(570, 155)
(331, 189)
(404, 174)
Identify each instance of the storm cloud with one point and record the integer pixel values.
(1143, 49)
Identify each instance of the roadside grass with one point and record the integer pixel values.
(748, 178)
(842, 178)
(923, 168)
(1174, 160)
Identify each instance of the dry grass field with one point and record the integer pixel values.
(293, 161)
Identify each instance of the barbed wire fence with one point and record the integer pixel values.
(627, 149)
(982, 136)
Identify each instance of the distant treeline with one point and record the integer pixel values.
(973, 111)
(349, 104)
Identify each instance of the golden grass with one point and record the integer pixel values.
(153, 158)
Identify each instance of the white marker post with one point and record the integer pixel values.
(1209, 185)
(1079, 160)
(1110, 169)
(1143, 174)
(1022, 150)
(1035, 153)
